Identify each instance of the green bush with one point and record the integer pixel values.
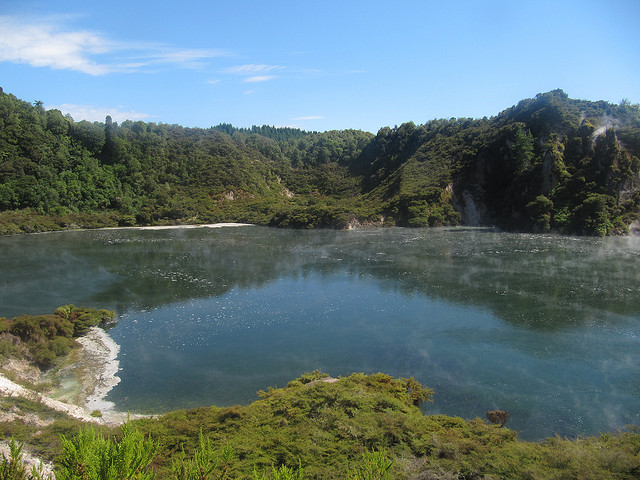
(13, 468)
(43, 357)
(540, 212)
(7, 348)
(375, 465)
(90, 456)
(282, 472)
(60, 346)
(47, 337)
(358, 427)
(204, 464)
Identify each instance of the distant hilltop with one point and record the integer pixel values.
(549, 163)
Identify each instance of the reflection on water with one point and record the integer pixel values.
(544, 326)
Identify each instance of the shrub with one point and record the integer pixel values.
(44, 357)
(205, 463)
(60, 346)
(91, 456)
(13, 468)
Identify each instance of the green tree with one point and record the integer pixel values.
(540, 212)
(522, 150)
(593, 215)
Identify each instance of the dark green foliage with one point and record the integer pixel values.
(57, 174)
(540, 212)
(522, 150)
(83, 318)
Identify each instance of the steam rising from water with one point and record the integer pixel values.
(546, 327)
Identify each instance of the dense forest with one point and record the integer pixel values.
(547, 163)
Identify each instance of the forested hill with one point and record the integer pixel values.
(547, 163)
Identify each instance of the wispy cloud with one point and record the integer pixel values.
(98, 114)
(252, 69)
(310, 117)
(259, 78)
(254, 73)
(188, 58)
(47, 43)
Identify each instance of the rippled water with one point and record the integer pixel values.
(546, 327)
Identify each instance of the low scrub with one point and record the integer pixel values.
(356, 427)
(44, 338)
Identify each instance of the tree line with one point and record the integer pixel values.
(547, 163)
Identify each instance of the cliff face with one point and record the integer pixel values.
(581, 164)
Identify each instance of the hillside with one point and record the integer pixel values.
(547, 163)
(318, 427)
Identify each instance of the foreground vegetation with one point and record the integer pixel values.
(548, 163)
(359, 427)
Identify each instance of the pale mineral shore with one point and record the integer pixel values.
(86, 379)
(176, 227)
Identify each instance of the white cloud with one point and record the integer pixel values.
(187, 57)
(254, 73)
(259, 78)
(41, 45)
(46, 43)
(98, 114)
(252, 69)
(310, 117)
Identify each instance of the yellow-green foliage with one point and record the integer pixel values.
(330, 428)
(13, 468)
(357, 427)
(90, 456)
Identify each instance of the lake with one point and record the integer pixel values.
(546, 327)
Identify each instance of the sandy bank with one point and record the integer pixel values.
(90, 374)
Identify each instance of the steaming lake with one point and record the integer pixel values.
(546, 327)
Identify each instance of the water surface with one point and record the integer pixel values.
(546, 327)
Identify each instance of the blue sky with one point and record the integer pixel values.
(311, 64)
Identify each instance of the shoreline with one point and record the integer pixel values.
(178, 227)
(85, 381)
(100, 358)
(148, 227)
(93, 374)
